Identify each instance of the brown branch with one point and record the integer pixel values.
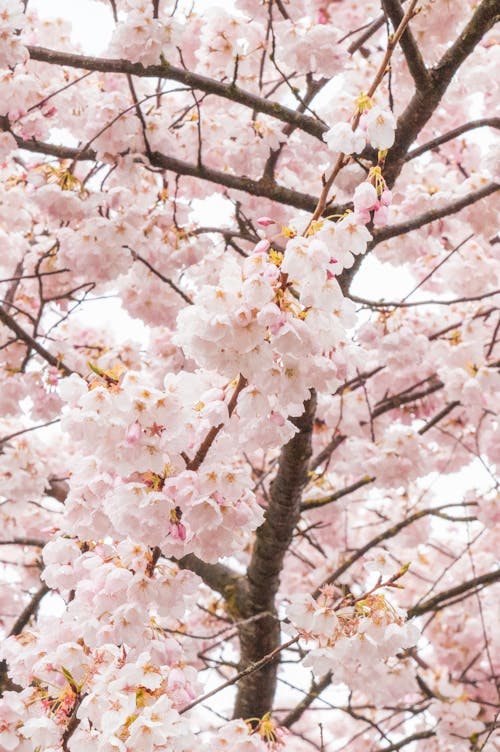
(158, 274)
(385, 535)
(424, 102)
(326, 453)
(408, 740)
(343, 159)
(313, 87)
(32, 343)
(485, 16)
(394, 304)
(458, 324)
(209, 439)
(247, 671)
(24, 617)
(391, 46)
(32, 276)
(437, 602)
(10, 436)
(73, 724)
(493, 122)
(409, 46)
(392, 231)
(139, 113)
(164, 70)
(23, 542)
(315, 503)
(396, 400)
(370, 30)
(273, 538)
(438, 417)
(18, 626)
(219, 577)
(262, 188)
(316, 689)
(46, 99)
(389, 403)
(437, 266)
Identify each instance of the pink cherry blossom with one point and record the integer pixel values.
(341, 138)
(380, 127)
(249, 388)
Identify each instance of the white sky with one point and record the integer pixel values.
(92, 21)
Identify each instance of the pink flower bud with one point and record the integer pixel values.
(322, 16)
(178, 531)
(265, 221)
(277, 419)
(386, 197)
(133, 433)
(365, 198)
(262, 246)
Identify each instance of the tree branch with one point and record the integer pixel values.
(316, 689)
(424, 102)
(32, 343)
(344, 159)
(403, 398)
(380, 234)
(261, 188)
(437, 602)
(326, 453)
(316, 503)
(18, 626)
(165, 70)
(158, 274)
(273, 538)
(24, 542)
(209, 439)
(385, 535)
(392, 231)
(28, 612)
(408, 740)
(413, 56)
(493, 122)
(400, 304)
(219, 577)
(10, 436)
(485, 16)
(438, 417)
(247, 671)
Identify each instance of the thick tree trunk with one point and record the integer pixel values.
(273, 538)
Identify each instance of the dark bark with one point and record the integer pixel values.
(165, 70)
(273, 538)
(426, 98)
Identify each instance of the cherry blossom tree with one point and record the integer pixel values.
(271, 520)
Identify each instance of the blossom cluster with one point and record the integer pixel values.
(128, 461)
(140, 486)
(279, 318)
(345, 638)
(12, 50)
(377, 127)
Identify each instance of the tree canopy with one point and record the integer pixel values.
(259, 510)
